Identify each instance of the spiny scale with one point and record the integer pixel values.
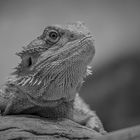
(89, 71)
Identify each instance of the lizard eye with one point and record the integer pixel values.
(53, 36)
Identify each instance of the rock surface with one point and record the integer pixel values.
(31, 127)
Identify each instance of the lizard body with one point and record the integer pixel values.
(51, 72)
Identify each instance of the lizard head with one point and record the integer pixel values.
(55, 63)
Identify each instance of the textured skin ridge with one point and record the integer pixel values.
(49, 77)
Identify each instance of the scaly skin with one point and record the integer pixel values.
(50, 74)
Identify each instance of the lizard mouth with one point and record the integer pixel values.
(83, 50)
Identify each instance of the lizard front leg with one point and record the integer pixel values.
(83, 115)
(12, 100)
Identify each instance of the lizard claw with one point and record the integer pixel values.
(96, 125)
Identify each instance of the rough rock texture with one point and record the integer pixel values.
(31, 127)
(132, 133)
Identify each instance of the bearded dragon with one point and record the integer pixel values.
(47, 80)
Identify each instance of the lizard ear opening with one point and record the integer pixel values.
(27, 61)
(25, 65)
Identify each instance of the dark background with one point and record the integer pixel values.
(113, 90)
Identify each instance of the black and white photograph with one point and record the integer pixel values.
(69, 69)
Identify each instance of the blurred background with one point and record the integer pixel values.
(113, 90)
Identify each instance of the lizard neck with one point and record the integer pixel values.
(53, 110)
(63, 110)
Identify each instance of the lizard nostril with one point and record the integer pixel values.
(72, 36)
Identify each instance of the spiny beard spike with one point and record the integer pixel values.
(89, 71)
